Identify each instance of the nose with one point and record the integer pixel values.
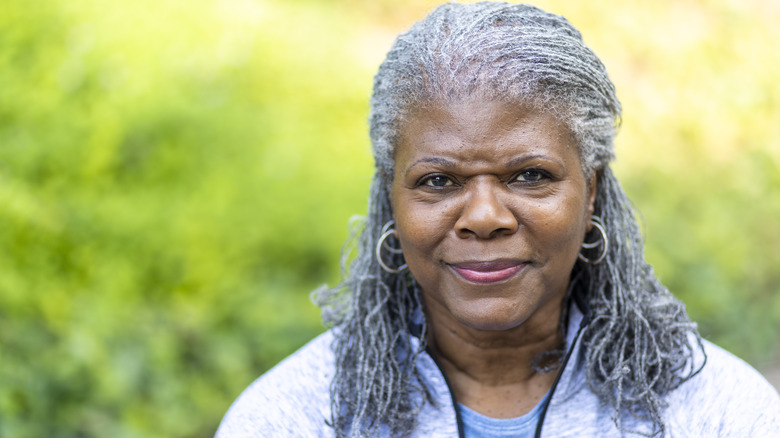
(484, 214)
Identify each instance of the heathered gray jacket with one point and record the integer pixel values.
(727, 398)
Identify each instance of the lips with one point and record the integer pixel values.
(488, 272)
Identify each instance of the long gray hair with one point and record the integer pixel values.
(640, 343)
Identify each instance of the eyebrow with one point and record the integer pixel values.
(517, 160)
(435, 160)
(449, 163)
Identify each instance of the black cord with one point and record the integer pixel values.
(585, 321)
(458, 419)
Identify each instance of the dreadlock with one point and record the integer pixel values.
(638, 345)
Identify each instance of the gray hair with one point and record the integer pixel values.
(640, 343)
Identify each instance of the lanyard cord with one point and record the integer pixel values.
(458, 418)
(540, 422)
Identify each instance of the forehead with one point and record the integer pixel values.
(479, 129)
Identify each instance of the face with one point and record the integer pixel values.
(491, 206)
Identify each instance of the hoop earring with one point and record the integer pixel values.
(387, 231)
(603, 242)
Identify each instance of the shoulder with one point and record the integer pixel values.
(726, 398)
(291, 399)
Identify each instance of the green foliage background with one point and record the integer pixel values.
(175, 177)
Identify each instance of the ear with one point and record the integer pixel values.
(592, 197)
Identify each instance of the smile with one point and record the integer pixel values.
(488, 272)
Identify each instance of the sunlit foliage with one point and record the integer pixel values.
(176, 176)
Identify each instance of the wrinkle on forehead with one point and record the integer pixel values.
(480, 119)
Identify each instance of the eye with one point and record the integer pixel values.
(436, 181)
(532, 176)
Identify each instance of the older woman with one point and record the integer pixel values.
(500, 287)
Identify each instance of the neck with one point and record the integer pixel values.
(490, 371)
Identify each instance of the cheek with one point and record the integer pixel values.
(421, 230)
(419, 235)
(421, 224)
(411, 227)
(561, 225)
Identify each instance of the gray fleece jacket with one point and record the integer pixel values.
(727, 398)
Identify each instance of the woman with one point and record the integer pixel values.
(500, 287)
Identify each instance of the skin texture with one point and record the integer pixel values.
(491, 206)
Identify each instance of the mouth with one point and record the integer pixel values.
(488, 272)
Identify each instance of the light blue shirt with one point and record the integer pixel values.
(476, 425)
